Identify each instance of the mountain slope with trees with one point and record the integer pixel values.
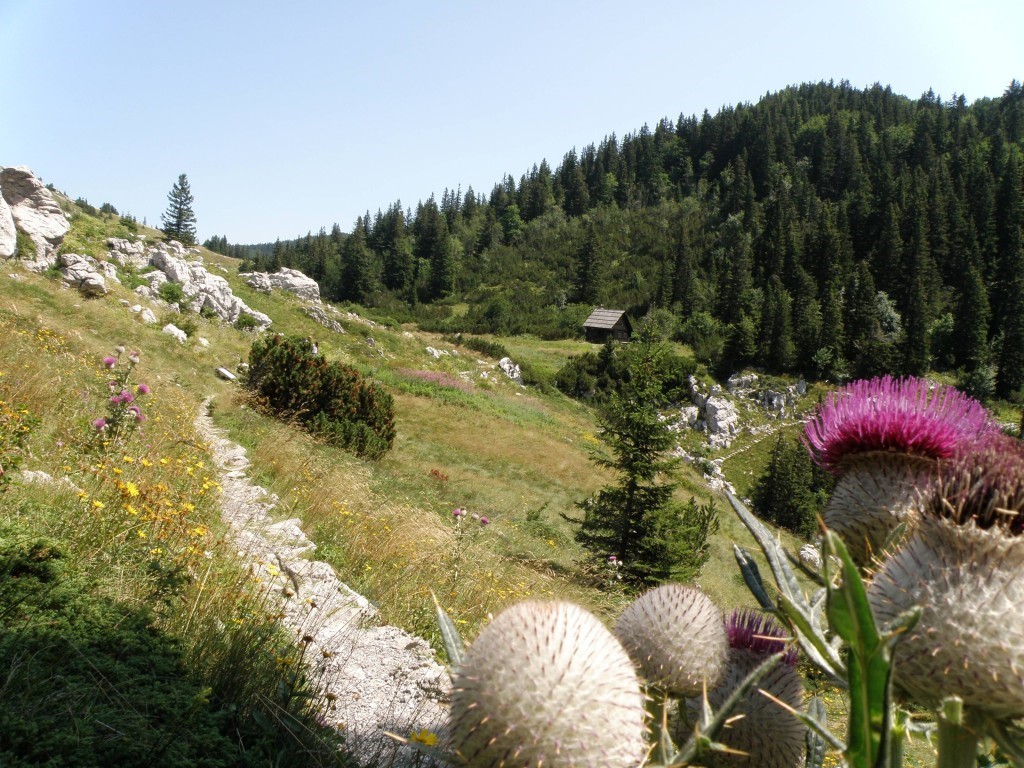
(826, 230)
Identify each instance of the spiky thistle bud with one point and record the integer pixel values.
(768, 735)
(882, 439)
(676, 636)
(962, 566)
(546, 684)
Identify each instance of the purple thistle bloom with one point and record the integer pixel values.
(899, 415)
(759, 633)
(459, 512)
(110, 362)
(143, 389)
(100, 424)
(126, 396)
(115, 400)
(484, 521)
(137, 411)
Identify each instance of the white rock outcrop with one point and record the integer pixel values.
(35, 212)
(510, 369)
(83, 273)
(175, 332)
(203, 291)
(126, 253)
(722, 420)
(8, 232)
(291, 280)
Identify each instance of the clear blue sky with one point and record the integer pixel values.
(291, 116)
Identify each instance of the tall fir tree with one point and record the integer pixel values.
(179, 221)
(635, 520)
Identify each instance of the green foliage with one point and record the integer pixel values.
(595, 376)
(179, 221)
(246, 322)
(635, 521)
(25, 248)
(792, 491)
(330, 399)
(171, 292)
(16, 424)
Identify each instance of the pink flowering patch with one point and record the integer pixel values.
(99, 424)
(109, 362)
(900, 415)
(143, 389)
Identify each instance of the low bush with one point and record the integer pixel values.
(172, 293)
(330, 399)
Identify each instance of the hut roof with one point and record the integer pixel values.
(604, 318)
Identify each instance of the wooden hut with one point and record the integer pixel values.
(604, 324)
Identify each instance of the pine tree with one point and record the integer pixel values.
(635, 520)
(179, 222)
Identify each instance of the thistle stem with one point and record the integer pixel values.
(657, 712)
(958, 742)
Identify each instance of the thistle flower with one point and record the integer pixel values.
(457, 513)
(143, 389)
(136, 411)
(100, 424)
(109, 362)
(126, 396)
(962, 567)
(882, 438)
(134, 357)
(484, 521)
(546, 684)
(676, 636)
(767, 734)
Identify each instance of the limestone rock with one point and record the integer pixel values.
(8, 232)
(172, 330)
(35, 212)
(203, 290)
(83, 273)
(721, 415)
(285, 279)
(126, 253)
(317, 313)
(511, 370)
(147, 316)
(110, 272)
(741, 382)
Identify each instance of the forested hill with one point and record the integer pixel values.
(826, 229)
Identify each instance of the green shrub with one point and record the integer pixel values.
(26, 249)
(172, 293)
(246, 322)
(330, 399)
(494, 349)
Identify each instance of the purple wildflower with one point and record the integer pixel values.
(759, 633)
(110, 362)
(136, 411)
(115, 400)
(484, 520)
(612, 559)
(143, 389)
(459, 513)
(897, 415)
(127, 397)
(100, 424)
(134, 357)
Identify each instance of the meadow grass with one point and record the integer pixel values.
(518, 456)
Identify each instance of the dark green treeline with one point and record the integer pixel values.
(826, 230)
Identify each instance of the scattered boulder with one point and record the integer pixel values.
(147, 316)
(8, 232)
(109, 272)
(318, 314)
(436, 353)
(35, 212)
(291, 280)
(225, 374)
(511, 370)
(172, 330)
(83, 273)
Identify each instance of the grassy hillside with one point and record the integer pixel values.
(137, 546)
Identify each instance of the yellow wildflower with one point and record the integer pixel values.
(429, 738)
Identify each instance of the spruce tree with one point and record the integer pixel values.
(179, 221)
(635, 520)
